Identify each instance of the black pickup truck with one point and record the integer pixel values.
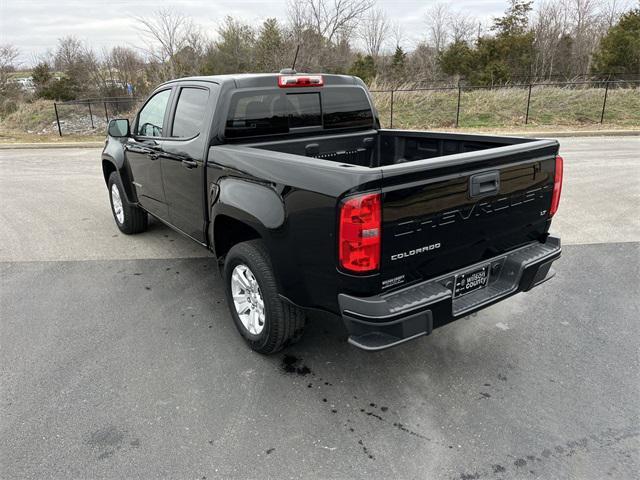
(308, 204)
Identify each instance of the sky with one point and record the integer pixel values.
(35, 25)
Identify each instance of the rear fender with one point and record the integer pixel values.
(256, 206)
(256, 203)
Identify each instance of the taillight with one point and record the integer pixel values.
(359, 233)
(557, 187)
(286, 81)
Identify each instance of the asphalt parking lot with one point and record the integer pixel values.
(119, 359)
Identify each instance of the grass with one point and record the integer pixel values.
(500, 110)
(30, 117)
(35, 122)
(506, 108)
(8, 137)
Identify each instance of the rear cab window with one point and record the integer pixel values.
(274, 112)
(346, 108)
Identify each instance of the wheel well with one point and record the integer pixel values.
(107, 169)
(228, 232)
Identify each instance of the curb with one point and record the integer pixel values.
(24, 146)
(578, 133)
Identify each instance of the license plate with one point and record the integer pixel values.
(471, 281)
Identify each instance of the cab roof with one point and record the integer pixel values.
(249, 80)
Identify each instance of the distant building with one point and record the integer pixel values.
(26, 83)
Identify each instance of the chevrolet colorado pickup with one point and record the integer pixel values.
(308, 204)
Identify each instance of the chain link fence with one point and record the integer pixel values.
(576, 103)
(549, 103)
(91, 115)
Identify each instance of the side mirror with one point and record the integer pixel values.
(119, 128)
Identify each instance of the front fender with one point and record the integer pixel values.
(114, 154)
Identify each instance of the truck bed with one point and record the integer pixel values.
(379, 148)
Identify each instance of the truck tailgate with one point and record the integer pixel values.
(445, 213)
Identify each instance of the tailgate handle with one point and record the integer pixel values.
(484, 184)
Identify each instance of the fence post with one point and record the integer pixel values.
(106, 114)
(391, 112)
(90, 114)
(55, 107)
(526, 117)
(604, 102)
(458, 107)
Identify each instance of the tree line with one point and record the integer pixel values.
(556, 39)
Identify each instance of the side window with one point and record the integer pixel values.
(151, 118)
(190, 111)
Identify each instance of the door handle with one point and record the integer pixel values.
(189, 163)
(484, 184)
(134, 149)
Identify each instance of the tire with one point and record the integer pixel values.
(129, 218)
(282, 323)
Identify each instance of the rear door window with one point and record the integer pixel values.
(190, 112)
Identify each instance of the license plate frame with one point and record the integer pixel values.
(462, 280)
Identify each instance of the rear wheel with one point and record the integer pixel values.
(129, 218)
(266, 322)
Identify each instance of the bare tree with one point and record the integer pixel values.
(79, 64)
(8, 56)
(583, 16)
(462, 27)
(166, 34)
(423, 66)
(69, 54)
(334, 20)
(397, 34)
(549, 26)
(437, 19)
(373, 32)
(128, 65)
(611, 10)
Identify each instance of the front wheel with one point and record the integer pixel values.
(129, 218)
(266, 322)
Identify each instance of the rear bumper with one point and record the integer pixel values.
(386, 320)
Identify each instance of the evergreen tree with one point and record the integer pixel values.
(515, 20)
(269, 47)
(502, 58)
(398, 64)
(41, 74)
(458, 59)
(363, 67)
(234, 52)
(619, 50)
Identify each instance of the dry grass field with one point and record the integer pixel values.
(506, 108)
